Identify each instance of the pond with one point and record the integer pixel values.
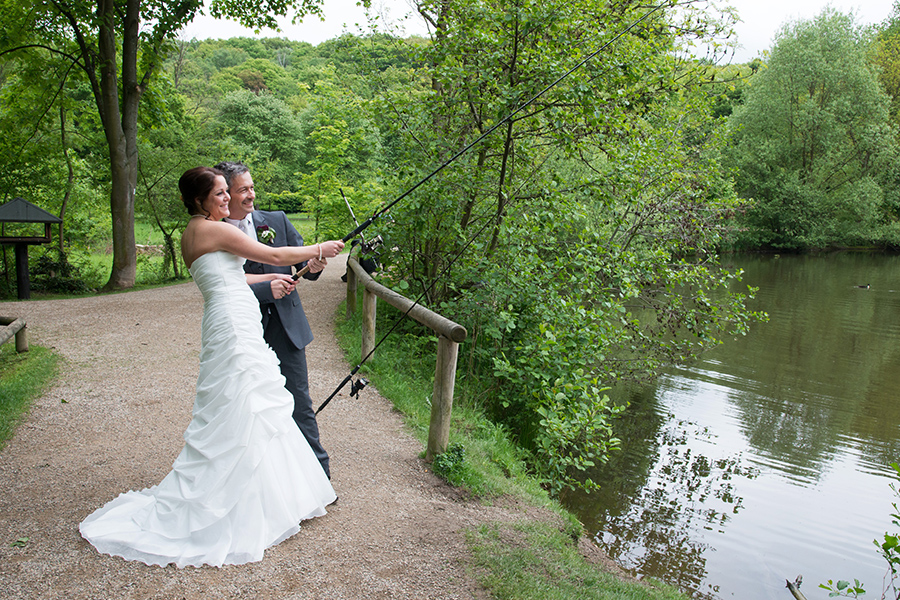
(769, 457)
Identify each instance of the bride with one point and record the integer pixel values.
(246, 476)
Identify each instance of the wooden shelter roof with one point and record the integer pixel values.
(19, 210)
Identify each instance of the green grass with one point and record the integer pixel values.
(306, 226)
(95, 270)
(147, 233)
(402, 369)
(538, 560)
(23, 377)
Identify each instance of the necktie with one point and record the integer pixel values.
(246, 226)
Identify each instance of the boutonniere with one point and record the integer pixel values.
(265, 234)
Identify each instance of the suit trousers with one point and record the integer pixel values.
(293, 367)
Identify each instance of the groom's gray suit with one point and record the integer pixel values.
(286, 329)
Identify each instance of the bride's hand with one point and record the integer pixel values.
(315, 265)
(331, 248)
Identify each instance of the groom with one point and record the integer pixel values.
(285, 327)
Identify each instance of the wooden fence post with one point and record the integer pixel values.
(368, 323)
(351, 292)
(450, 335)
(22, 339)
(14, 327)
(442, 398)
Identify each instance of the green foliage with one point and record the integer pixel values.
(591, 217)
(452, 467)
(886, 55)
(343, 157)
(576, 243)
(511, 559)
(403, 371)
(165, 151)
(289, 202)
(56, 157)
(728, 84)
(889, 548)
(54, 273)
(224, 58)
(576, 431)
(118, 49)
(23, 377)
(52, 155)
(813, 143)
(267, 137)
(451, 463)
(843, 588)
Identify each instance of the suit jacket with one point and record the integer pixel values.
(289, 308)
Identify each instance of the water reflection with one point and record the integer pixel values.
(768, 458)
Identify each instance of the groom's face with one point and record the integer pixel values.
(242, 196)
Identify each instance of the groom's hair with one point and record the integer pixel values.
(231, 170)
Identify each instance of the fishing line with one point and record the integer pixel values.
(361, 383)
(494, 127)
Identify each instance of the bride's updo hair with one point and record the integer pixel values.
(195, 186)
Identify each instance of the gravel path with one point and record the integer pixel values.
(114, 422)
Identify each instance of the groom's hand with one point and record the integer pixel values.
(282, 285)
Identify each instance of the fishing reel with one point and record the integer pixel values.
(357, 386)
(368, 252)
(372, 246)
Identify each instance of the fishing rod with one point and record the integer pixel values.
(365, 246)
(361, 383)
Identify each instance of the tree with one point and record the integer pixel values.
(119, 46)
(342, 146)
(48, 149)
(576, 243)
(268, 136)
(165, 151)
(887, 57)
(813, 145)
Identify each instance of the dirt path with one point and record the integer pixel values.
(114, 422)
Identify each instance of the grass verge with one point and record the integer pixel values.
(538, 560)
(23, 377)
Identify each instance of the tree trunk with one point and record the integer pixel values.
(172, 253)
(124, 267)
(120, 125)
(69, 182)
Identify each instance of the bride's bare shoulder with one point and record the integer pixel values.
(200, 237)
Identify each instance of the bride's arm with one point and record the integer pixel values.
(231, 239)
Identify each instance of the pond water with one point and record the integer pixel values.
(769, 457)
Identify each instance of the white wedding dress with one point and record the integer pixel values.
(246, 476)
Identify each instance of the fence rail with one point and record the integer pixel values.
(450, 335)
(12, 326)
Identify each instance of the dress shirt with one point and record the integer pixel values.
(245, 225)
